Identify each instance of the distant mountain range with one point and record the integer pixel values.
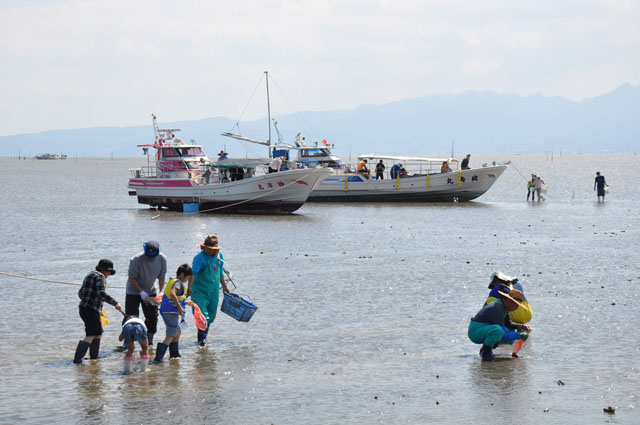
(476, 122)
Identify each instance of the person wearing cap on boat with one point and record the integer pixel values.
(492, 326)
(92, 295)
(222, 155)
(499, 282)
(208, 276)
(276, 163)
(144, 269)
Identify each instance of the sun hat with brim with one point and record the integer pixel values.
(516, 296)
(105, 265)
(222, 153)
(211, 241)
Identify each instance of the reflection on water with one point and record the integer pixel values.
(363, 308)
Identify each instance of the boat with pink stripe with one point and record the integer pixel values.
(182, 178)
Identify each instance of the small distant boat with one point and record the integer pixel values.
(184, 179)
(51, 156)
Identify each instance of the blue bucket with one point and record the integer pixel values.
(190, 208)
(237, 307)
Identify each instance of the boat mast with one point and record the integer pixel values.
(266, 73)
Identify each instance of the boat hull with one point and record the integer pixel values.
(276, 193)
(464, 186)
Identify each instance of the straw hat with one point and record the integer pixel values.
(516, 296)
(211, 241)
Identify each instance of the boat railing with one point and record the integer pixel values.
(143, 172)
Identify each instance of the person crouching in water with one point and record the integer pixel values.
(92, 295)
(491, 325)
(501, 282)
(134, 330)
(172, 310)
(208, 276)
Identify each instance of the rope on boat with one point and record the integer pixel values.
(51, 281)
(251, 199)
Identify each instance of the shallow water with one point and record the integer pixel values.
(363, 308)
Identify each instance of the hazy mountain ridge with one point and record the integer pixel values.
(477, 122)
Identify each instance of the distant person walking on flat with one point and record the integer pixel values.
(531, 187)
(538, 183)
(600, 183)
(465, 162)
(380, 170)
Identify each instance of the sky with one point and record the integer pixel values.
(68, 64)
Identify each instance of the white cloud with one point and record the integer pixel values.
(85, 63)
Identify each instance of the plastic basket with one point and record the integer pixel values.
(190, 208)
(237, 307)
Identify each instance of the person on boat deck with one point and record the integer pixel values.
(600, 183)
(134, 330)
(445, 167)
(144, 269)
(501, 282)
(172, 310)
(363, 169)
(531, 187)
(492, 326)
(276, 163)
(380, 170)
(208, 275)
(396, 170)
(465, 162)
(222, 155)
(92, 295)
(537, 183)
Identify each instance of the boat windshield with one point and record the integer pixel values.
(180, 152)
(309, 153)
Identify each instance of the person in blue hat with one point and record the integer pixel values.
(144, 269)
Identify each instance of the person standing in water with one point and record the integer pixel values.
(208, 275)
(144, 269)
(600, 184)
(92, 295)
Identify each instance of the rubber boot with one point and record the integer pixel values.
(202, 337)
(174, 351)
(160, 350)
(486, 353)
(150, 338)
(128, 361)
(144, 361)
(94, 350)
(81, 350)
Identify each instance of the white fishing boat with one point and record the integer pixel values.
(418, 179)
(421, 180)
(183, 178)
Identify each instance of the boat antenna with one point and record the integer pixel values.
(452, 141)
(155, 125)
(266, 74)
